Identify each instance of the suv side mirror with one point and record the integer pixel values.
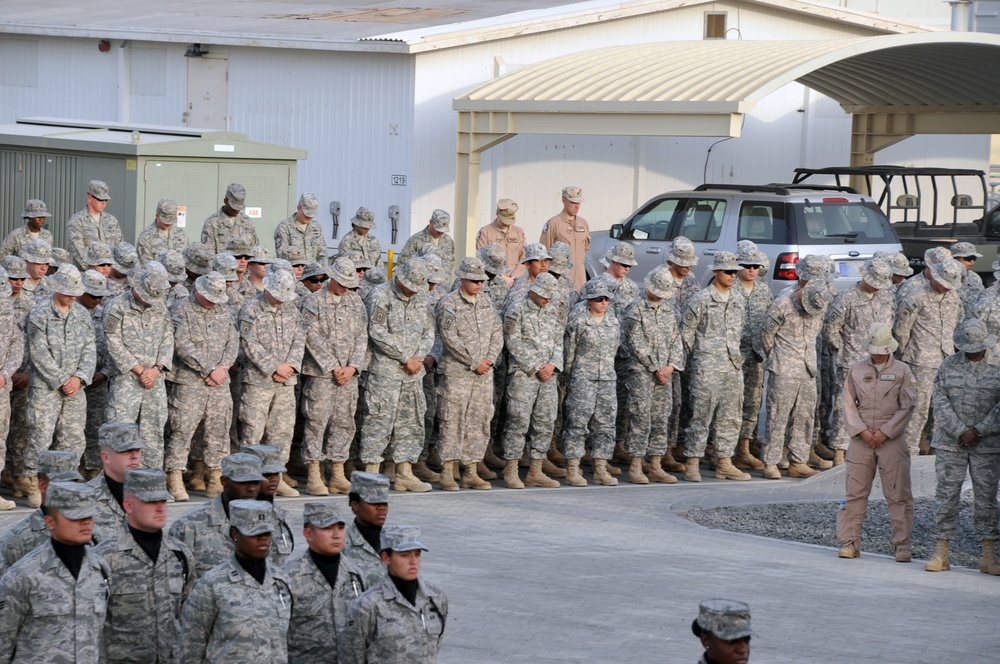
(617, 230)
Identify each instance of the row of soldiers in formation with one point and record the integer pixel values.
(93, 575)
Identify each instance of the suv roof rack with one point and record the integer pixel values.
(746, 188)
(817, 187)
(880, 170)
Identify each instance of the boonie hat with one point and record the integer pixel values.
(313, 270)
(972, 336)
(622, 253)
(95, 283)
(948, 273)
(98, 190)
(60, 256)
(34, 209)
(236, 195)
(150, 282)
(60, 466)
(880, 340)
(212, 287)
(270, 458)
(535, 251)
(363, 218)
(471, 268)
(898, 263)
(935, 255)
(225, 264)
(435, 270)
(359, 260)
(876, 273)
(682, 252)
(727, 619)
(259, 254)
(147, 484)
(373, 488)
(98, 253)
(816, 295)
(724, 260)
(126, 259)
(344, 272)
(309, 204)
(173, 262)
(74, 501)
(15, 267)
(281, 285)
(811, 266)
(37, 251)
(5, 286)
(251, 517)
(321, 515)
(660, 282)
(67, 281)
(293, 255)
(239, 246)
(573, 194)
(414, 275)
(560, 262)
(964, 250)
(506, 211)
(441, 221)
(494, 258)
(400, 538)
(242, 467)
(198, 258)
(120, 436)
(166, 209)
(596, 288)
(545, 285)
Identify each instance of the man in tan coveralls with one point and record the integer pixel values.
(572, 229)
(507, 235)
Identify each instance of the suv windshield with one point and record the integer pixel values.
(838, 221)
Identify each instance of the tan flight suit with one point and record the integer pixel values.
(511, 238)
(576, 234)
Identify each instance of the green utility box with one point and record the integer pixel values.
(54, 159)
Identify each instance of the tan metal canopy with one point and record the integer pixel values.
(896, 86)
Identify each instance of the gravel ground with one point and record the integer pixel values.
(815, 523)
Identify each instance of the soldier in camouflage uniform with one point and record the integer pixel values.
(29, 533)
(301, 231)
(533, 337)
(239, 611)
(361, 239)
(652, 338)
(680, 258)
(436, 235)
(151, 576)
(173, 262)
(972, 284)
(205, 529)
(271, 467)
(794, 321)
(205, 347)
(55, 599)
(967, 439)
(229, 221)
(323, 583)
(390, 624)
(35, 215)
(92, 224)
(161, 235)
(336, 340)
(22, 302)
(62, 359)
(369, 500)
(140, 338)
(711, 330)
(435, 292)
(987, 307)
(11, 354)
(471, 339)
(848, 322)
(121, 450)
(125, 263)
(536, 261)
(402, 334)
(926, 319)
(94, 291)
(37, 256)
(900, 266)
(932, 257)
(723, 626)
(753, 281)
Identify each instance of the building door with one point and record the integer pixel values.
(207, 93)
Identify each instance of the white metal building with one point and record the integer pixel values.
(368, 92)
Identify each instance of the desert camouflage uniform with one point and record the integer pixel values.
(925, 323)
(219, 229)
(429, 383)
(138, 335)
(205, 531)
(758, 300)
(469, 332)
(366, 559)
(533, 336)
(61, 346)
(153, 241)
(319, 611)
(308, 238)
(269, 336)
(50, 617)
(143, 623)
(11, 357)
(400, 328)
(22, 538)
(111, 517)
(680, 381)
(203, 340)
(97, 395)
(966, 396)
(652, 337)
(972, 288)
(17, 238)
(589, 349)
(17, 436)
(711, 330)
(444, 248)
(368, 245)
(81, 230)
(383, 627)
(231, 619)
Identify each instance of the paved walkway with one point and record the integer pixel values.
(614, 574)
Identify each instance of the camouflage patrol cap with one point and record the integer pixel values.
(401, 538)
(435, 271)
(321, 515)
(251, 517)
(59, 466)
(876, 273)
(536, 251)
(95, 284)
(359, 260)
(546, 286)
(225, 264)
(259, 254)
(34, 209)
(60, 256)
(150, 282)
(239, 246)
(363, 218)
(660, 282)
(972, 336)
(898, 263)
(727, 619)
(682, 252)
(98, 253)
(293, 255)
(5, 287)
(948, 273)
(724, 260)
(573, 194)
(471, 268)
(15, 267)
(37, 251)
(74, 501)
(147, 484)
(494, 258)
(507, 211)
(880, 340)
(561, 262)
(98, 190)
(173, 262)
(441, 221)
(315, 269)
(270, 458)
(120, 436)
(373, 488)
(236, 194)
(414, 275)
(935, 255)
(816, 296)
(198, 258)
(309, 204)
(622, 253)
(67, 281)
(166, 210)
(126, 259)
(964, 250)
(212, 287)
(281, 285)
(344, 272)
(242, 467)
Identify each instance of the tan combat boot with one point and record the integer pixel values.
(22, 486)
(421, 471)
(849, 551)
(7, 505)
(338, 479)
(743, 459)
(771, 472)
(371, 467)
(434, 461)
(213, 484)
(551, 469)
(407, 481)
(510, 477)
(620, 455)
(670, 463)
(471, 479)
(197, 479)
(315, 486)
(537, 477)
(554, 455)
(285, 491)
(635, 474)
(573, 475)
(725, 470)
(816, 462)
(657, 474)
(839, 457)
(34, 495)
(939, 561)
(446, 480)
(988, 564)
(492, 460)
(796, 469)
(691, 471)
(484, 471)
(601, 474)
(175, 485)
(289, 480)
(783, 464)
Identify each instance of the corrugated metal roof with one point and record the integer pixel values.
(930, 69)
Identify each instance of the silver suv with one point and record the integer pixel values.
(786, 221)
